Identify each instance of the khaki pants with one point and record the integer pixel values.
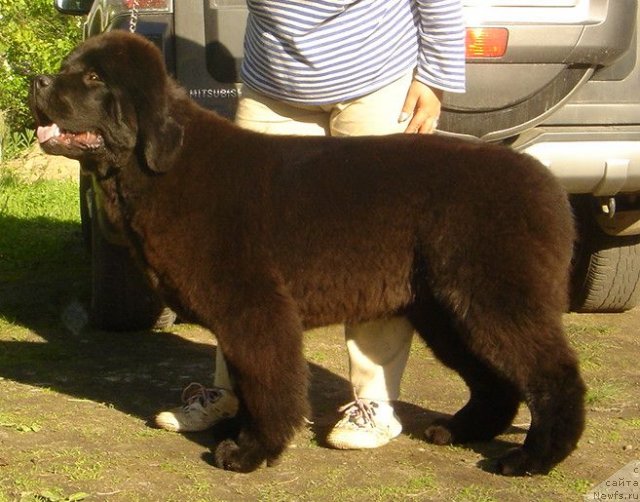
(378, 350)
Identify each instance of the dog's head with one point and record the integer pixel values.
(111, 100)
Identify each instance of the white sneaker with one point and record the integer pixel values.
(366, 424)
(203, 408)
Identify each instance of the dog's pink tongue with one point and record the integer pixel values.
(45, 133)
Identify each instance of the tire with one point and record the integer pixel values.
(121, 297)
(606, 269)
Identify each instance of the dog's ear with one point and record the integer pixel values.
(161, 138)
(159, 134)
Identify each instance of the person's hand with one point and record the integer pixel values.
(421, 108)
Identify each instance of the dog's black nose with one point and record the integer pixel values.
(42, 81)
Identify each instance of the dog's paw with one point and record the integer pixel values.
(232, 457)
(439, 433)
(224, 455)
(519, 462)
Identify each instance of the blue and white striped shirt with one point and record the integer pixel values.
(327, 51)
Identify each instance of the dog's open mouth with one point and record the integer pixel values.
(52, 135)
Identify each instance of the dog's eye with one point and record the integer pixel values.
(92, 76)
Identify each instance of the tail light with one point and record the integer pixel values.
(486, 42)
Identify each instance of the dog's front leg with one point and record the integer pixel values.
(262, 344)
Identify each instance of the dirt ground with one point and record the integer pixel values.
(75, 414)
(76, 404)
(33, 165)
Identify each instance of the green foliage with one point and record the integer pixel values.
(53, 495)
(14, 143)
(34, 38)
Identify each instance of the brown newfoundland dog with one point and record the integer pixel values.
(259, 238)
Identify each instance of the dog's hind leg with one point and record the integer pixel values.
(493, 401)
(261, 339)
(554, 392)
(503, 358)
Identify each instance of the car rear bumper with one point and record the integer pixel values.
(603, 161)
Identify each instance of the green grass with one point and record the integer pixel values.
(50, 495)
(561, 481)
(77, 465)
(474, 493)
(21, 426)
(40, 223)
(633, 423)
(602, 392)
(43, 263)
(592, 351)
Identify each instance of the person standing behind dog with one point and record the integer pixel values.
(343, 68)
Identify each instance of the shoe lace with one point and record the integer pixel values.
(360, 412)
(196, 392)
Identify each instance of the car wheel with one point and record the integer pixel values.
(606, 269)
(121, 297)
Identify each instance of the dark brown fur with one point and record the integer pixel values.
(259, 238)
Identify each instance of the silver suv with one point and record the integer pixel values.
(558, 79)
